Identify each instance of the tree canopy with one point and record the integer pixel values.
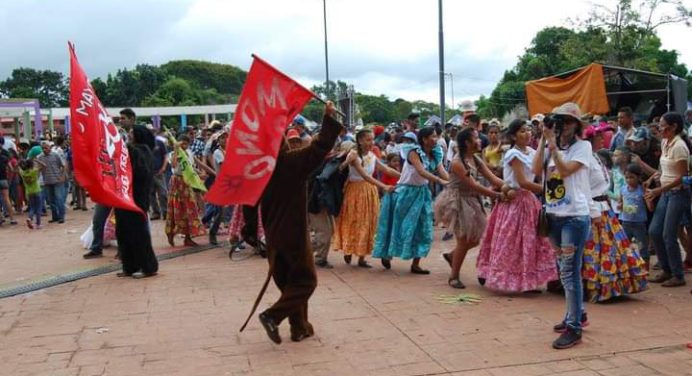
(622, 36)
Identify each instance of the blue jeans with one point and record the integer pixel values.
(637, 230)
(567, 233)
(672, 208)
(56, 199)
(35, 207)
(98, 223)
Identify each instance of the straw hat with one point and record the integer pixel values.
(569, 109)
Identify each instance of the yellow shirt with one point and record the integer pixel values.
(493, 155)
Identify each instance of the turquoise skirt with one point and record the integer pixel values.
(405, 227)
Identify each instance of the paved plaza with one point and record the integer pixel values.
(185, 321)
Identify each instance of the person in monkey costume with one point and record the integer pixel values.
(285, 219)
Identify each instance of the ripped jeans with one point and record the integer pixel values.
(568, 235)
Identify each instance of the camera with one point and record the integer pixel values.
(554, 121)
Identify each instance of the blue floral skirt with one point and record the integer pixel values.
(405, 227)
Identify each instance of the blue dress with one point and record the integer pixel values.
(405, 227)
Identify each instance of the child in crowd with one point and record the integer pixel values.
(621, 159)
(393, 161)
(633, 209)
(29, 171)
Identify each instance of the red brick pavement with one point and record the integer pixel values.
(368, 322)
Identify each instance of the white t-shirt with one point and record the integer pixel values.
(571, 196)
(368, 162)
(219, 156)
(451, 151)
(526, 164)
(441, 142)
(600, 183)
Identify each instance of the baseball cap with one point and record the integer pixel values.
(299, 120)
(292, 134)
(410, 136)
(538, 117)
(640, 134)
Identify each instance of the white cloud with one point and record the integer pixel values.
(381, 46)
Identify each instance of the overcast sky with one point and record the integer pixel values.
(381, 46)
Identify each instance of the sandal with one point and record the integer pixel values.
(456, 283)
(386, 263)
(364, 264)
(347, 259)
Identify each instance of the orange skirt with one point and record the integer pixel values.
(356, 225)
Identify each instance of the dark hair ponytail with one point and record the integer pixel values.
(514, 128)
(674, 118)
(425, 133)
(361, 133)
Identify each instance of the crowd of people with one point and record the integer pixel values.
(574, 202)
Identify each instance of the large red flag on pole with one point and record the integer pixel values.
(99, 155)
(268, 103)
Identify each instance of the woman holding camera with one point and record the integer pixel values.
(568, 197)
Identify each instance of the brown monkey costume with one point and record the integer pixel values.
(284, 215)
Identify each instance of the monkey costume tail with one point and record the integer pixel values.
(263, 290)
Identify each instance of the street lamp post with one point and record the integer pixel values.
(326, 51)
(451, 81)
(442, 65)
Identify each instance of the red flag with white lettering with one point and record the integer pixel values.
(268, 103)
(99, 155)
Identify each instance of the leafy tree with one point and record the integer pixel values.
(49, 87)
(224, 78)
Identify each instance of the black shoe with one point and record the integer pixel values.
(364, 264)
(52, 221)
(448, 257)
(567, 339)
(324, 264)
(561, 327)
(212, 240)
(271, 328)
(93, 254)
(61, 221)
(419, 270)
(386, 263)
(347, 259)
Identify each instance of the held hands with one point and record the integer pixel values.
(389, 188)
(651, 194)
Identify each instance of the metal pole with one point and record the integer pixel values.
(452, 84)
(442, 65)
(326, 51)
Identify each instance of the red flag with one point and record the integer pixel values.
(99, 155)
(269, 102)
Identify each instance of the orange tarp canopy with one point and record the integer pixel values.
(585, 87)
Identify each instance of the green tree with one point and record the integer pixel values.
(49, 87)
(375, 109)
(224, 78)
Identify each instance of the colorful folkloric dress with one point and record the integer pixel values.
(356, 224)
(611, 266)
(461, 207)
(512, 256)
(183, 212)
(405, 227)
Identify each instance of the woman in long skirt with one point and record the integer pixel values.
(356, 224)
(611, 266)
(132, 228)
(512, 256)
(460, 203)
(183, 212)
(405, 227)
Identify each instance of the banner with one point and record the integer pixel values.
(268, 103)
(190, 176)
(99, 155)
